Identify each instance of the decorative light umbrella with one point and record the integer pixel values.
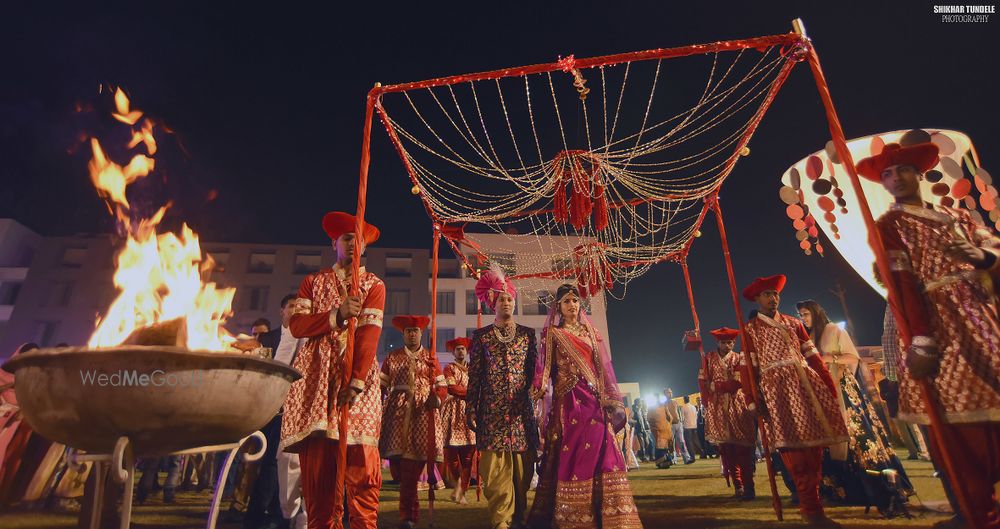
(818, 195)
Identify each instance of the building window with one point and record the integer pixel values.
(398, 265)
(392, 339)
(221, 260)
(506, 262)
(261, 263)
(398, 302)
(472, 303)
(449, 269)
(256, 298)
(73, 257)
(307, 263)
(103, 295)
(535, 303)
(45, 332)
(58, 295)
(27, 255)
(443, 337)
(474, 261)
(9, 292)
(469, 331)
(446, 302)
(562, 264)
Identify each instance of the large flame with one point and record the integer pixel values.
(111, 179)
(160, 276)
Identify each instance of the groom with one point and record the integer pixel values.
(498, 407)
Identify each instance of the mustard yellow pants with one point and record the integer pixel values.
(506, 479)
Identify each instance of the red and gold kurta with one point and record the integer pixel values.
(802, 408)
(727, 416)
(409, 378)
(309, 406)
(456, 431)
(950, 302)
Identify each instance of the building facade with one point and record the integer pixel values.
(458, 311)
(18, 246)
(60, 296)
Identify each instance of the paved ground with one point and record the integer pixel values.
(685, 497)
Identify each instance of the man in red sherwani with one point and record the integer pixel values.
(411, 429)
(940, 261)
(729, 423)
(798, 398)
(310, 424)
(459, 440)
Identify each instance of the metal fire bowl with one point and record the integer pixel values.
(190, 398)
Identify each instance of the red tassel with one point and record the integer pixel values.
(561, 213)
(576, 207)
(600, 209)
(583, 178)
(580, 203)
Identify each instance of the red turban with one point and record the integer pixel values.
(408, 322)
(453, 344)
(337, 223)
(491, 283)
(923, 156)
(763, 284)
(725, 333)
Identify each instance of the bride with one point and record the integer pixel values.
(582, 481)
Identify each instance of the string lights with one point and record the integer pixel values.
(602, 199)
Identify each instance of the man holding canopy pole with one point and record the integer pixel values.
(323, 314)
(798, 398)
(943, 264)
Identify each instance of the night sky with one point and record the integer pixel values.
(266, 107)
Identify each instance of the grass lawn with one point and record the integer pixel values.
(684, 497)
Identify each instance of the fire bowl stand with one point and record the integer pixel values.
(121, 464)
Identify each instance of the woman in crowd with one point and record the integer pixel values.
(865, 470)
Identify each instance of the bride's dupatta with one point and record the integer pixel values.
(598, 371)
(582, 476)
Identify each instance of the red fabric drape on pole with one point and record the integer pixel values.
(690, 291)
(431, 439)
(939, 428)
(697, 325)
(359, 238)
(436, 245)
(751, 380)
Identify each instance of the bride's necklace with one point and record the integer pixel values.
(577, 328)
(511, 332)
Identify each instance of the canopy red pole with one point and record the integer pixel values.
(939, 428)
(694, 311)
(752, 379)
(340, 474)
(436, 245)
(567, 63)
(431, 440)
